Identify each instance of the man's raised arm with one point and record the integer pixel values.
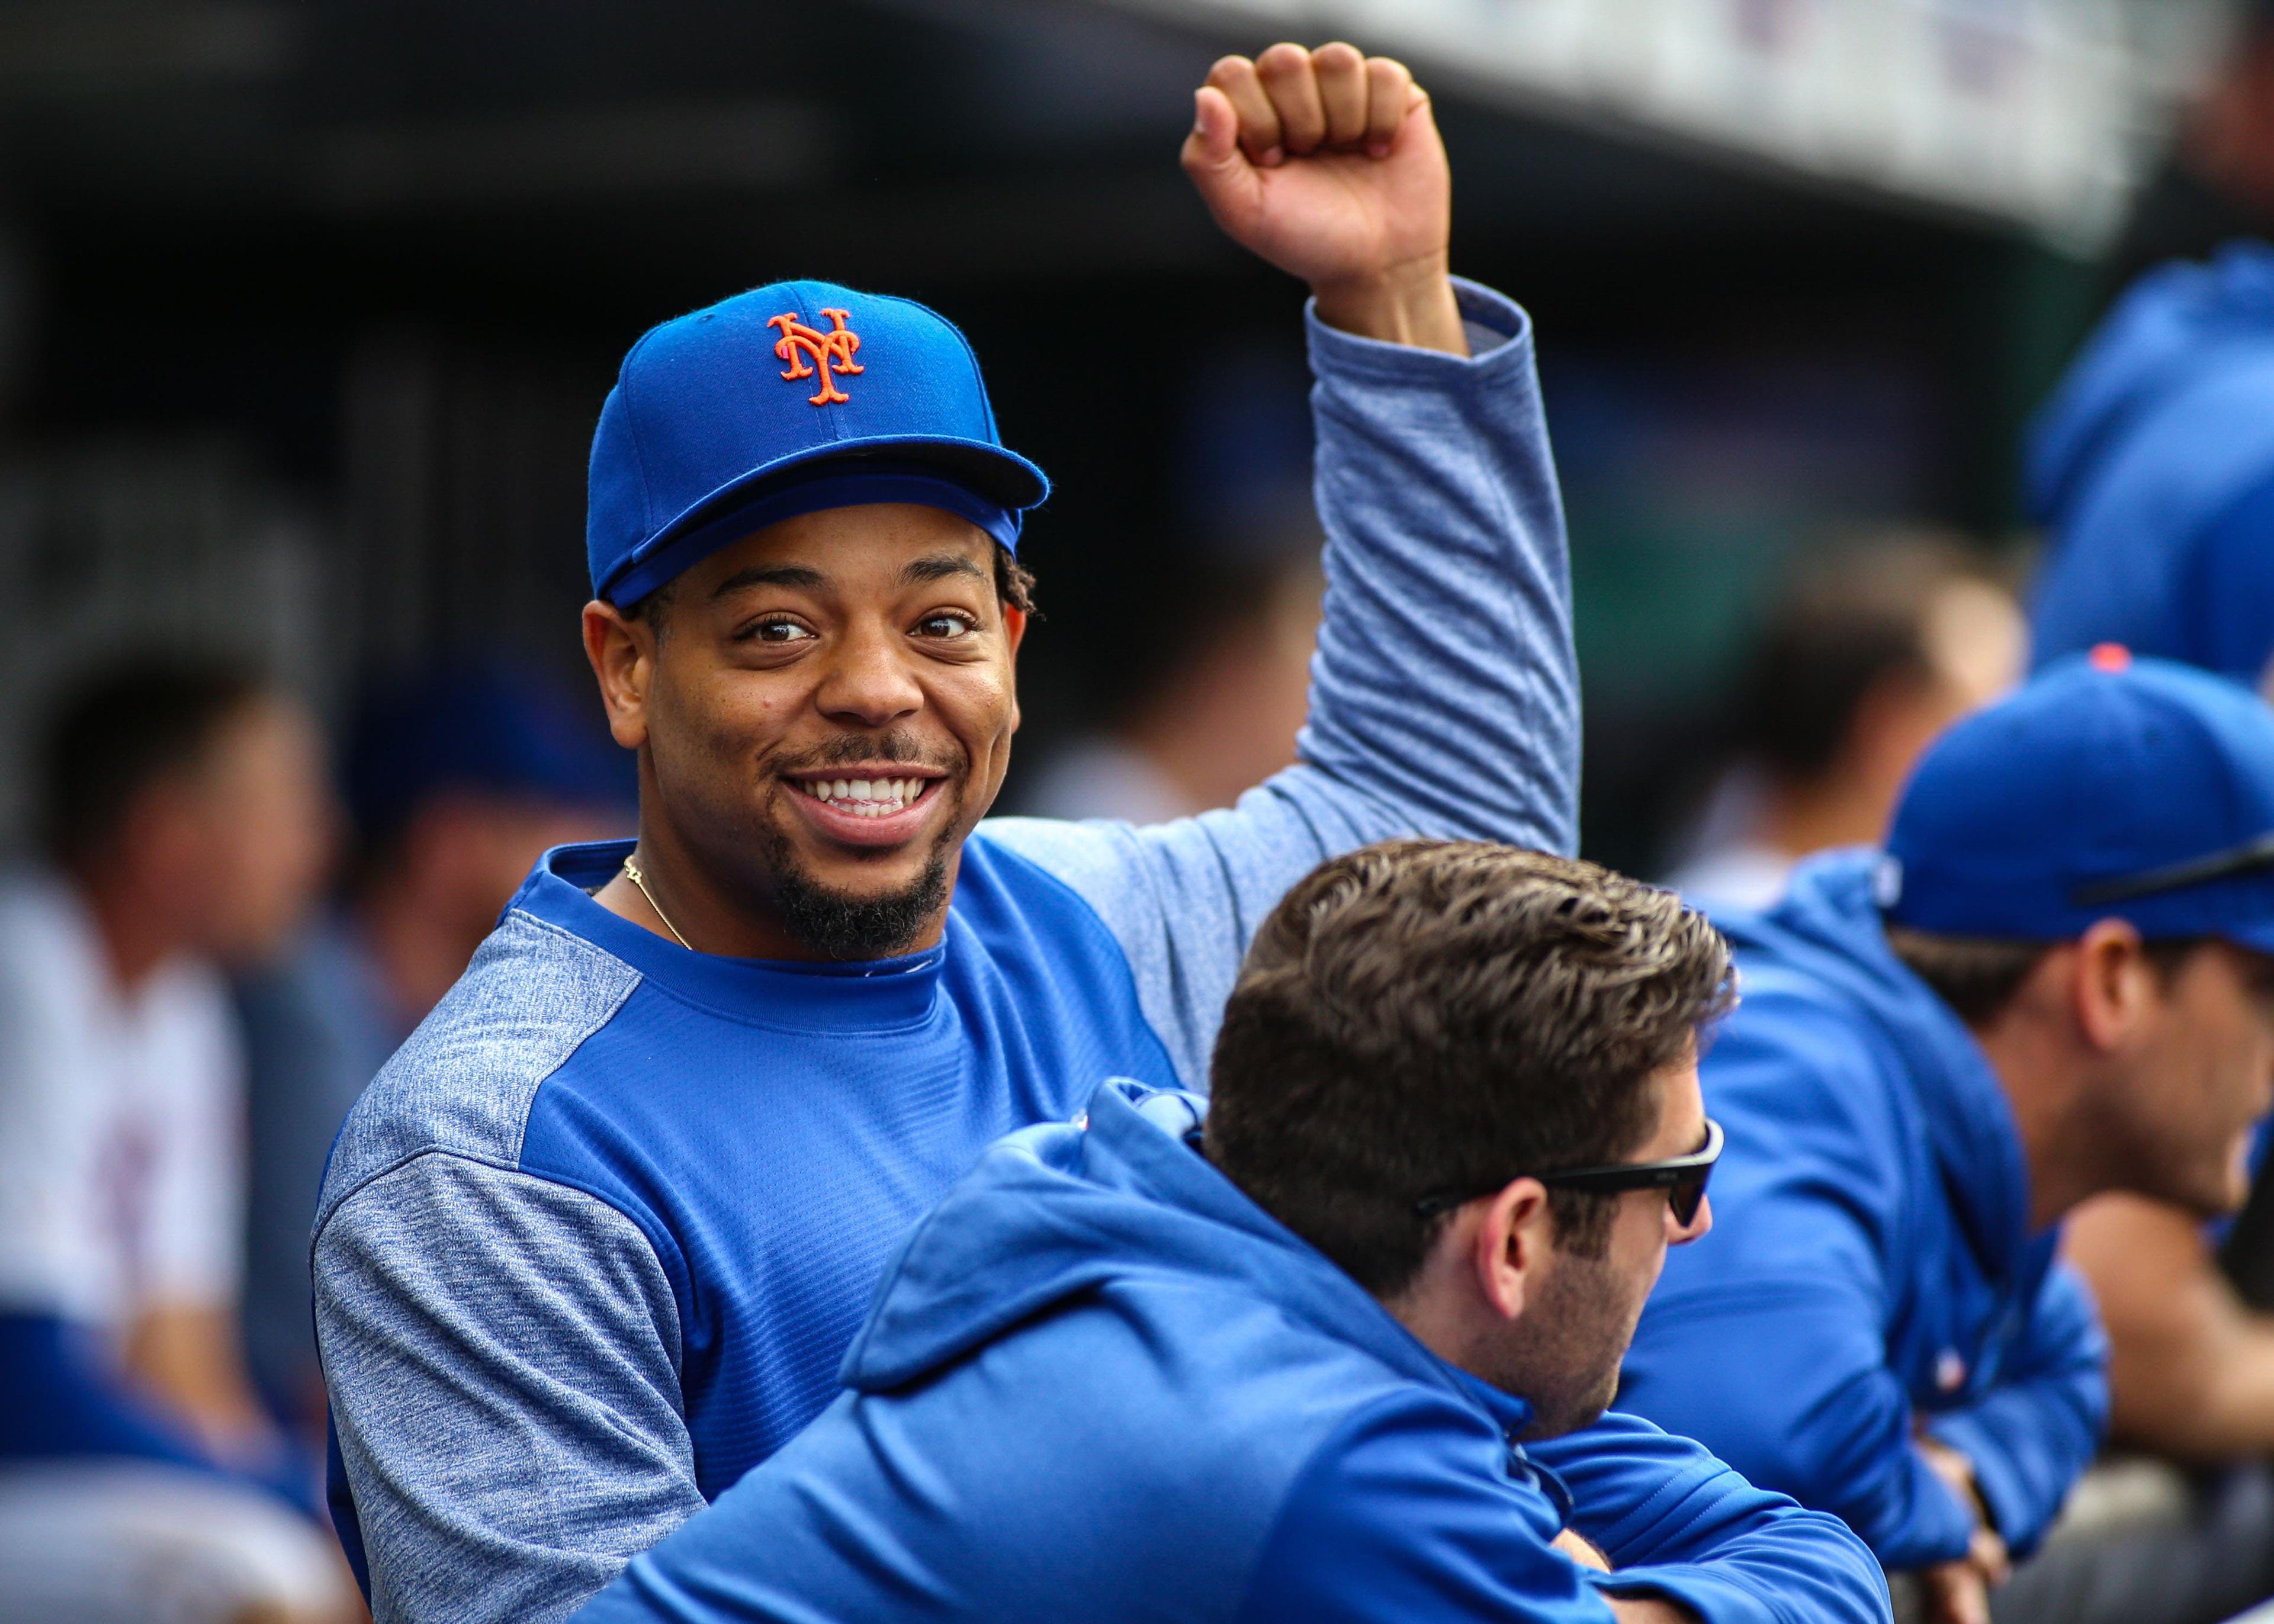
(1445, 695)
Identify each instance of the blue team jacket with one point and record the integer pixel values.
(1872, 1265)
(1099, 1383)
(2153, 472)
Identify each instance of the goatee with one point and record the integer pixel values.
(846, 928)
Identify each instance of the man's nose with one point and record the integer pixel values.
(1679, 1234)
(868, 681)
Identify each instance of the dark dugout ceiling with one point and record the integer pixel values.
(1018, 138)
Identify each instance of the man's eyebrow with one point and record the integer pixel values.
(939, 567)
(770, 575)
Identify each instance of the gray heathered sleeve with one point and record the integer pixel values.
(502, 1356)
(1444, 694)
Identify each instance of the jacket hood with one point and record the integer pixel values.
(1827, 933)
(1121, 1194)
(2176, 325)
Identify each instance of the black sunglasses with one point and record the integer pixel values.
(2247, 858)
(1681, 1177)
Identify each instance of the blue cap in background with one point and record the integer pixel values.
(480, 729)
(2107, 787)
(790, 398)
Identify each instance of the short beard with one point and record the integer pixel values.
(849, 928)
(836, 926)
(1568, 1366)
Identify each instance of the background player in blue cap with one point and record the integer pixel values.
(2057, 980)
(597, 1238)
(2152, 469)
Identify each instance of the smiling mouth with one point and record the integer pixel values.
(867, 797)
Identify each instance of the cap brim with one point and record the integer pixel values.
(2258, 936)
(998, 475)
(1001, 476)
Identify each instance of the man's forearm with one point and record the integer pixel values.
(2191, 1366)
(1406, 304)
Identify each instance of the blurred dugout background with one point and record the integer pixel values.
(306, 307)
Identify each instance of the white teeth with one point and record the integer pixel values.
(867, 797)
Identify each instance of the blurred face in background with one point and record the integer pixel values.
(1973, 645)
(2196, 1077)
(465, 853)
(234, 850)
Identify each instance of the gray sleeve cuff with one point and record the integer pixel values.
(1500, 341)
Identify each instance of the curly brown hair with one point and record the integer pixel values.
(1426, 1015)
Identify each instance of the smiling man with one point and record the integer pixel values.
(597, 1240)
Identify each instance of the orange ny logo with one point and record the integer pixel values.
(831, 351)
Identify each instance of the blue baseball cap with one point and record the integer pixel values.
(482, 728)
(788, 399)
(2106, 787)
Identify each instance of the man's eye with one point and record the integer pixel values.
(944, 626)
(778, 631)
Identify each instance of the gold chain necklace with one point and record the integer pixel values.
(632, 873)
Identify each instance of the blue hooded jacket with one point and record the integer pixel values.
(2153, 472)
(1872, 1267)
(1101, 1383)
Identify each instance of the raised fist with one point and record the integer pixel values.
(1328, 164)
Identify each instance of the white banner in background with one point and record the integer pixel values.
(2045, 112)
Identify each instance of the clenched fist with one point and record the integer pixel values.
(1328, 164)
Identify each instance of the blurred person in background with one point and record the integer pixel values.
(457, 780)
(2153, 471)
(1215, 718)
(1868, 654)
(2043, 990)
(183, 825)
(1208, 705)
(2218, 180)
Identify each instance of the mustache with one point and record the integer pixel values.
(894, 745)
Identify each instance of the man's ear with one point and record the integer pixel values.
(622, 654)
(2113, 990)
(1014, 633)
(1508, 1253)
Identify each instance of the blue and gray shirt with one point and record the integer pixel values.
(596, 1240)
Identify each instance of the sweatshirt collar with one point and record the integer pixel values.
(1062, 1209)
(792, 994)
(1829, 928)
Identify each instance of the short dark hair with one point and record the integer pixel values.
(1848, 622)
(1979, 976)
(120, 729)
(1014, 586)
(1428, 1015)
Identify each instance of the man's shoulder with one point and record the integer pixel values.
(1794, 1046)
(462, 1083)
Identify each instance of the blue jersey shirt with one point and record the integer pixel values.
(856, 1094)
(594, 1242)
(1100, 1383)
(1872, 1267)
